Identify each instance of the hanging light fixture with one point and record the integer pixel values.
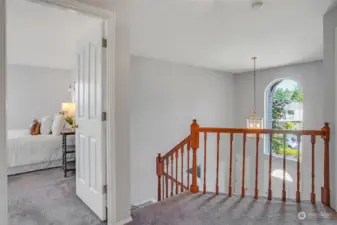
(254, 121)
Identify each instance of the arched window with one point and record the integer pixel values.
(284, 110)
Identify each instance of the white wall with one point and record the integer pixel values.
(166, 97)
(35, 92)
(309, 76)
(330, 85)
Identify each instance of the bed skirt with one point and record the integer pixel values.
(33, 167)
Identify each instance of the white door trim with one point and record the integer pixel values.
(87, 9)
(3, 127)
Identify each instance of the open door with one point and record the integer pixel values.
(90, 134)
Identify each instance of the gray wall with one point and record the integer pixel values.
(166, 98)
(35, 92)
(329, 81)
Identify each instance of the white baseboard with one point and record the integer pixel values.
(149, 200)
(123, 222)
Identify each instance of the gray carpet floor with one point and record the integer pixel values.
(46, 198)
(198, 209)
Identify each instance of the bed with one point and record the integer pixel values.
(26, 153)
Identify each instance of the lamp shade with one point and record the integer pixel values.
(254, 122)
(69, 108)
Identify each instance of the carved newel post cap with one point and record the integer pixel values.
(194, 123)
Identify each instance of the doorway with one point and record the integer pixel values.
(91, 143)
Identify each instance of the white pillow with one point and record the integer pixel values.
(46, 124)
(58, 125)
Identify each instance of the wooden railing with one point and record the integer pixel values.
(168, 177)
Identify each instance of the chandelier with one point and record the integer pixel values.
(254, 121)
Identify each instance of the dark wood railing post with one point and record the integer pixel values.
(298, 193)
(270, 193)
(257, 167)
(205, 161)
(313, 195)
(195, 145)
(177, 159)
(284, 193)
(325, 190)
(159, 174)
(182, 169)
(217, 163)
(243, 165)
(230, 166)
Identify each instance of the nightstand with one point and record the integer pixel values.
(68, 153)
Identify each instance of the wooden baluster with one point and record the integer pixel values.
(163, 185)
(257, 167)
(177, 160)
(284, 169)
(243, 165)
(270, 166)
(182, 169)
(195, 145)
(298, 193)
(205, 160)
(217, 164)
(159, 174)
(167, 172)
(172, 159)
(188, 167)
(325, 190)
(230, 166)
(313, 195)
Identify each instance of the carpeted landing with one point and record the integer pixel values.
(198, 209)
(46, 198)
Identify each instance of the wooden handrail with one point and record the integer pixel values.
(167, 174)
(260, 131)
(169, 164)
(177, 147)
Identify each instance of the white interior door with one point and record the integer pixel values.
(90, 141)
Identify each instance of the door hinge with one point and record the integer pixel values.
(104, 42)
(104, 116)
(107, 213)
(105, 189)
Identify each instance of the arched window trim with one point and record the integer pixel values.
(269, 92)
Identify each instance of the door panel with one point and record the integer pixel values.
(90, 165)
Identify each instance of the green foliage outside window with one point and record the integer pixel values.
(282, 98)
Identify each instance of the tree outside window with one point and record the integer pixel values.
(286, 114)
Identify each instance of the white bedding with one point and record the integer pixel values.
(25, 149)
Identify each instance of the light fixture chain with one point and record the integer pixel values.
(254, 85)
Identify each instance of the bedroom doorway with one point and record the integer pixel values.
(36, 184)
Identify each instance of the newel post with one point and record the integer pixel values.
(159, 174)
(325, 190)
(195, 145)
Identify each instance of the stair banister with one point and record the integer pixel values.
(195, 145)
(325, 190)
(170, 180)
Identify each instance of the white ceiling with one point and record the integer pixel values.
(216, 34)
(44, 36)
(225, 34)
